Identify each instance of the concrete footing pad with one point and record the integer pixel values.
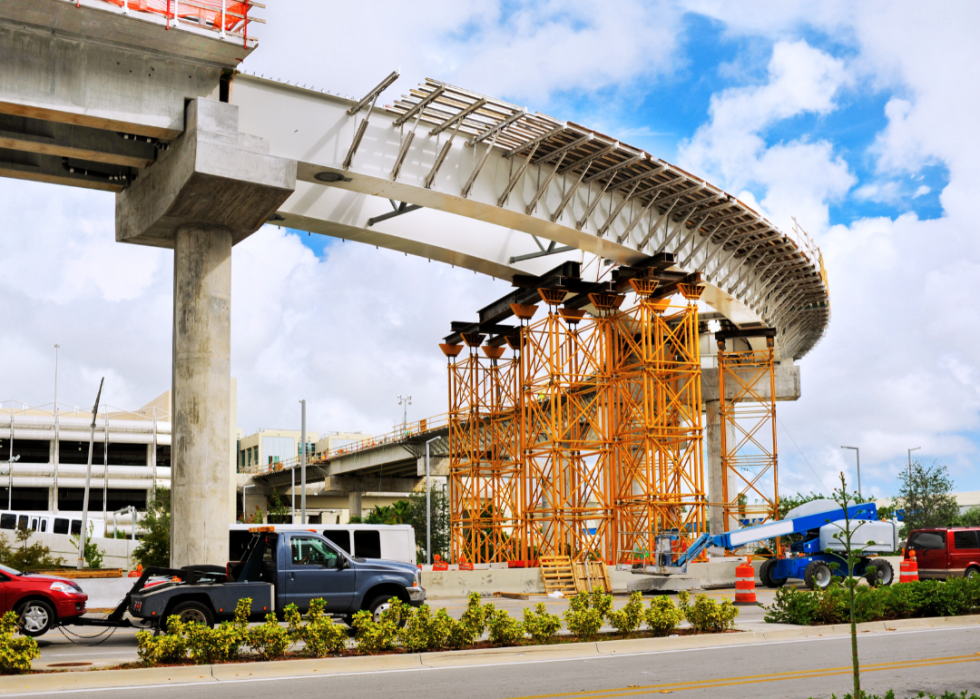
(662, 583)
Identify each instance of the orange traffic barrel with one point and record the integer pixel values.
(745, 584)
(909, 569)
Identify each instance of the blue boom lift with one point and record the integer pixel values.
(816, 523)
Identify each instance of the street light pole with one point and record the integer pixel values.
(857, 453)
(57, 438)
(910, 464)
(302, 514)
(428, 504)
(405, 401)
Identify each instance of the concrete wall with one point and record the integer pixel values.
(118, 552)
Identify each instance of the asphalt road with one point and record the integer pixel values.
(932, 661)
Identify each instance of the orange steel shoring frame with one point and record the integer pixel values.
(660, 484)
(751, 459)
(567, 433)
(484, 458)
(587, 443)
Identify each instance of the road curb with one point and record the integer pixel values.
(200, 674)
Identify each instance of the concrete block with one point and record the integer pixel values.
(787, 384)
(205, 178)
(460, 583)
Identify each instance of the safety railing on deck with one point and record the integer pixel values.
(400, 432)
(227, 17)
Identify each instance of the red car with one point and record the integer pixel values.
(41, 601)
(943, 553)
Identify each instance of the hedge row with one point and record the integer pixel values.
(418, 630)
(925, 598)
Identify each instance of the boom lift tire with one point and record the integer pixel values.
(879, 572)
(766, 576)
(818, 575)
(193, 612)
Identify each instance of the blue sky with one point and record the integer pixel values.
(856, 118)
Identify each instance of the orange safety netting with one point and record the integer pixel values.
(206, 12)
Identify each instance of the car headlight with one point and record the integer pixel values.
(418, 577)
(63, 587)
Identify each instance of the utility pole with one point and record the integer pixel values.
(10, 463)
(302, 461)
(105, 466)
(88, 482)
(428, 504)
(857, 453)
(57, 438)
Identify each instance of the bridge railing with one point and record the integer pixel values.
(398, 434)
(227, 17)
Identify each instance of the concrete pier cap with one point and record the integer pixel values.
(213, 188)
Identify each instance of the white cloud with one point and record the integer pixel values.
(800, 177)
(524, 51)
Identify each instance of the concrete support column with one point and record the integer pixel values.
(713, 465)
(201, 475)
(354, 503)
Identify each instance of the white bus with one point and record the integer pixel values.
(50, 522)
(392, 542)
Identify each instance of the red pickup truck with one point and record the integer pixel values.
(950, 552)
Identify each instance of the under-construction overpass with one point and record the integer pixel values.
(97, 94)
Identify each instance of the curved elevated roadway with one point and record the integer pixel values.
(462, 178)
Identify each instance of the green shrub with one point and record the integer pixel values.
(586, 613)
(320, 634)
(707, 615)
(474, 619)
(208, 645)
(541, 626)
(17, 653)
(167, 648)
(423, 631)
(372, 636)
(628, 619)
(504, 629)
(925, 598)
(663, 617)
(270, 640)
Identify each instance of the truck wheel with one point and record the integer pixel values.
(879, 573)
(35, 617)
(818, 575)
(766, 576)
(972, 573)
(379, 605)
(194, 612)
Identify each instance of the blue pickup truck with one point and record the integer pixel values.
(278, 568)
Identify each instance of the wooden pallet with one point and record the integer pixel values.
(591, 574)
(557, 574)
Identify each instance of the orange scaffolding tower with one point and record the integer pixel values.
(588, 442)
(566, 435)
(660, 475)
(484, 467)
(750, 474)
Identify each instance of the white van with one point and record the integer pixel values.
(63, 522)
(392, 542)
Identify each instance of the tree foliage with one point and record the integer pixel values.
(439, 507)
(925, 495)
(26, 556)
(154, 549)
